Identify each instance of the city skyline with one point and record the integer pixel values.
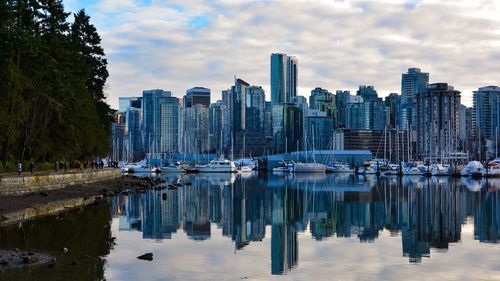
(178, 46)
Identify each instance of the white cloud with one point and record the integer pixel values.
(176, 45)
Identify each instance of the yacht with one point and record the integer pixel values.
(473, 169)
(220, 165)
(284, 167)
(339, 168)
(172, 168)
(440, 170)
(494, 168)
(140, 167)
(309, 168)
(391, 170)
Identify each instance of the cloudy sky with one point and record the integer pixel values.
(179, 44)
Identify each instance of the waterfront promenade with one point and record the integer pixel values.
(12, 184)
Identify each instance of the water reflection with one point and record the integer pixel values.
(425, 212)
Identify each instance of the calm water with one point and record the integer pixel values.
(228, 227)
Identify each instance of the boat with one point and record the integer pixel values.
(172, 168)
(473, 169)
(245, 169)
(284, 167)
(391, 170)
(440, 170)
(413, 169)
(493, 169)
(339, 168)
(139, 167)
(251, 163)
(219, 165)
(309, 168)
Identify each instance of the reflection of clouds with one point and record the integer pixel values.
(312, 229)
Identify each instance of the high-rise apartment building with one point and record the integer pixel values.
(323, 100)
(413, 83)
(283, 78)
(437, 121)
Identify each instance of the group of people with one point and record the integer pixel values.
(20, 168)
(97, 165)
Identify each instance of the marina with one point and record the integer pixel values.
(294, 225)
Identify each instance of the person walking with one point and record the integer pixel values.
(19, 168)
(31, 166)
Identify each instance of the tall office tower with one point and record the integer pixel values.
(437, 121)
(287, 127)
(149, 104)
(197, 95)
(237, 105)
(412, 83)
(169, 126)
(486, 118)
(217, 126)
(135, 151)
(118, 138)
(354, 117)
(268, 120)
(283, 78)
(195, 120)
(392, 110)
(301, 103)
(341, 101)
(255, 107)
(195, 129)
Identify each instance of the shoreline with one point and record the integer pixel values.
(18, 208)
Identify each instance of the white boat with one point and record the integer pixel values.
(172, 168)
(440, 170)
(494, 168)
(473, 169)
(140, 167)
(391, 170)
(372, 167)
(339, 168)
(220, 165)
(309, 168)
(248, 162)
(412, 169)
(284, 167)
(245, 169)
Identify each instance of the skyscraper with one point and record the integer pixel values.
(149, 105)
(437, 121)
(216, 126)
(323, 100)
(341, 101)
(135, 146)
(255, 106)
(412, 83)
(195, 124)
(283, 78)
(169, 126)
(287, 127)
(392, 110)
(197, 95)
(486, 117)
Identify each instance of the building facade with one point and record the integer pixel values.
(283, 78)
(437, 121)
(287, 128)
(413, 83)
(150, 108)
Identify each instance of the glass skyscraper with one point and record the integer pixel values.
(287, 127)
(412, 83)
(149, 105)
(283, 78)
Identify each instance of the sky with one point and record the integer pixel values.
(340, 44)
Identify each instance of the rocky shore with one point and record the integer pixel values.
(86, 193)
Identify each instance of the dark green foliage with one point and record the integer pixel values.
(52, 79)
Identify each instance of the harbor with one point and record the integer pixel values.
(286, 226)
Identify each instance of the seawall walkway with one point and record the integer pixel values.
(11, 184)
